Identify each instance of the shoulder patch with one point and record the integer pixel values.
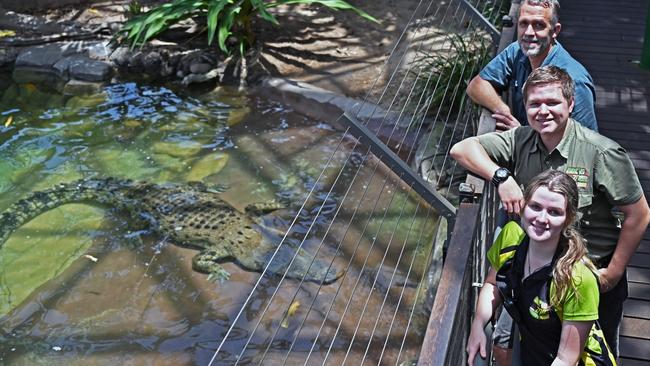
(579, 174)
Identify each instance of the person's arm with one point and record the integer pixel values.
(482, 92)
(584, 110)
(572, 342)
(637, 217)
(488, 300)
(470, 154)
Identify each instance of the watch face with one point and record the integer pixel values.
(502, 173)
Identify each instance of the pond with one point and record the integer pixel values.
(82, 284)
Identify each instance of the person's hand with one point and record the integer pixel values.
(512, 198)
(608, 278)
(476, 343)
(505, 120)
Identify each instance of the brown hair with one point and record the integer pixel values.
(550, 75)
(572, 245)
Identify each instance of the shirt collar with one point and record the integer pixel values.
(551, 55)
(564, 147)
(538, 144)
(543, 272)
(566, 144)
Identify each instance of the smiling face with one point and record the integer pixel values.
(547, 109)
(535, 31)
(544, 216)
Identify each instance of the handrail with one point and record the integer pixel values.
(450, 312)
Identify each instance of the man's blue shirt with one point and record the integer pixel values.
(511, 68)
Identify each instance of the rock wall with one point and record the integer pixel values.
(23, 5)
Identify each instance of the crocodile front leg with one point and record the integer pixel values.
(263, 208)
(208, 262)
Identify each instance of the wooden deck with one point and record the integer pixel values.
(606, 37)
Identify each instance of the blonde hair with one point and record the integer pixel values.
(572, 245)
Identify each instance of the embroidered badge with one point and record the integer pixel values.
(539, 309)
(580, 175)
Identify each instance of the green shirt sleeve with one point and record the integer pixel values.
(581, 305)
(499, 146)
(615, 176)
(504, 247)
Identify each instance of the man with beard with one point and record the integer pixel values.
(537, 30)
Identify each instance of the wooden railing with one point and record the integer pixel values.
(448, 324)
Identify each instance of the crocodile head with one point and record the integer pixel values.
(300, 264)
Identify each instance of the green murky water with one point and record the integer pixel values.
(79, 286)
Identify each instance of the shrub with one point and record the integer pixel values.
(225, 18)
(444, 74)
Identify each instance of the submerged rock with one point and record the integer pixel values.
(80, 87)
(7, 55)
(206, 166)
(184, 149)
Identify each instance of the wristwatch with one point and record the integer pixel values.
(500, 176)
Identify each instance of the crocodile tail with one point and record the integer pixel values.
(26, 209)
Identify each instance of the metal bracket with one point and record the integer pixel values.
(466, 193)
(507, 21)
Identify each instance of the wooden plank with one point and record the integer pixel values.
(644, 247)
(621, 134)
(641, 260)
(637, 309)
(634, 348)
(634, 327)
(442, 325)
(623, 129)
(639, 291)
(631, 362)
(619, 115)
(636, 274)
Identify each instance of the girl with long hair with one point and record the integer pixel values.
(541, 274)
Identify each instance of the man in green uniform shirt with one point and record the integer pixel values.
(602, 169)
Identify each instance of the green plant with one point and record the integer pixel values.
(225, 18)
(445, 73)
(134, 8)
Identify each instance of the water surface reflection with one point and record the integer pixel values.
(81, 286)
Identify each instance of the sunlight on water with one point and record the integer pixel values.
(80, 285)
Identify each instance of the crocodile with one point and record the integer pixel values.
(190, 215)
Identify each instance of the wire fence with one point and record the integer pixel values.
(365, 221)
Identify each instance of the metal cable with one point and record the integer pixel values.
(250, 295)
(383, 303)
(319, 332)
(312, 261)
(295, 219)
(276, 292)
(306, 200)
